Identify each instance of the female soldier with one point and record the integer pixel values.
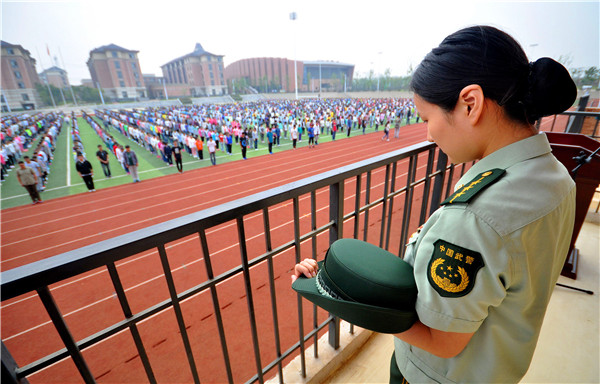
(486, 262)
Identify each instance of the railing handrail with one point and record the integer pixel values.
(27, 278)
(581, 113)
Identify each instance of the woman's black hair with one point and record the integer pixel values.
(492, 59)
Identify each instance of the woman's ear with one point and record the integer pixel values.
(471, 103)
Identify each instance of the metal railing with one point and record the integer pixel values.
(576, 123)
(384, 202)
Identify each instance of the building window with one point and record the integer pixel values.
(2, 97)
(136, 75)
(10, 51)
(25, 97)
(122, 84)
(21, 85)
(18, 75)
(114, 54)
(13, 63)
(137, 83)
(119, 74)
(131, 56)
(209, 67)
(133, 66)
(124, 94)
(117, 65)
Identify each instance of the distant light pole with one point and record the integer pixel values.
(378, 69)
(293, 17)
(6, 100)
(320, 78)
(165, 88)
(68, 82)
(100, 91)
(46, 78)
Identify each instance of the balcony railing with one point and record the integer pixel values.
(380, 200)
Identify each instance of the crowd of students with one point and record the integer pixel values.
(19, 133)
(168, 132)
(163, 131)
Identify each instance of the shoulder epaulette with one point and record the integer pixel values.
(472, 188)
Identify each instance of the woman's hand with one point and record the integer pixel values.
(307, 267)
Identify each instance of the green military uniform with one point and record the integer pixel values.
(487, 261)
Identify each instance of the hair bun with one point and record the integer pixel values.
(551, 89)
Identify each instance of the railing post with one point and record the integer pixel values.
(576, 123)
(9, 368)
(336, 214)
(438, 184)
(64, 333)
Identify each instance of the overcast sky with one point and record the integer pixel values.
(370, 34)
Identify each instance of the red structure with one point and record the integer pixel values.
(568, 149)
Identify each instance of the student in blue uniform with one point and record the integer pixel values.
(487, 261)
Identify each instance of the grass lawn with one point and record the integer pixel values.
(64, 179)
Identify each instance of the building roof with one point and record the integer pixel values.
(111, 47)
(53, 69)
(5, 44)
(198, 52)
(330, 63)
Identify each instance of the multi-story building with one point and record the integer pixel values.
(154, 86)
(199, 73)
(19, 78)
(117, 72)
(55, 76)
(269, 74)
(264, 74)
(324, 76)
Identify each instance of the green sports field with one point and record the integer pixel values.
(64, 180)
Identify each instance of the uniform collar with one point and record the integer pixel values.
(510, 155)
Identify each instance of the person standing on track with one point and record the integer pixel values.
(270, 140)
(177, 154)
(85, 170)
(311, 135)
(199, 147)
(294, 135)
(244, 144)
(29, 180)
(212, 148)
(131, 161)
(386, 132)
(102, 156)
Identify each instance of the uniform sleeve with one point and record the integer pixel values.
(461, 269)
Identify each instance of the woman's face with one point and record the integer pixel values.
(449, 130)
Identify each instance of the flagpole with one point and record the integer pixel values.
(47, 84)
(68, 81)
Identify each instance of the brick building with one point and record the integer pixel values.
(55, 76)
(117, 71)
(264, 74)
(19, 78)
(269, 74)
(199, 73)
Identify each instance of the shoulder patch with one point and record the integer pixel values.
(452, 269)
(472, 188)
